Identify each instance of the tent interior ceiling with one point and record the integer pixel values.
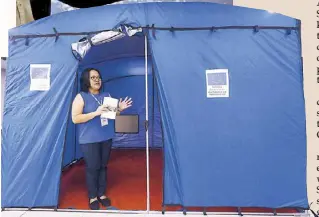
(122, 48)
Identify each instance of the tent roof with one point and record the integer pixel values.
(176, 14)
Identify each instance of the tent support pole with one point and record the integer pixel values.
(146, 131)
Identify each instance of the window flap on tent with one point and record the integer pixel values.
(81, 48)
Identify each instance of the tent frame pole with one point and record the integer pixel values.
(209, 28)
(146, 130)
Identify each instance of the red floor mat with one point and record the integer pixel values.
(127, 184)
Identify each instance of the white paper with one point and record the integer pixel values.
(217, 82)
(40, 77)
(112, 104)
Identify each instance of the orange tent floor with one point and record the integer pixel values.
(127, 184)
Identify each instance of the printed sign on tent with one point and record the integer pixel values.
(217, 82)
(40, 77)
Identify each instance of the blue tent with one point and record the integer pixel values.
(244, 149)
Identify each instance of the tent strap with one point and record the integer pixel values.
(219, 27)
(171, 28)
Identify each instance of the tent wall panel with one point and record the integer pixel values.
(254, 136)
(34, 125)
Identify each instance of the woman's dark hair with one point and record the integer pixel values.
(85, 79)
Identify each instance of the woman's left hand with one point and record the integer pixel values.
(125, 104)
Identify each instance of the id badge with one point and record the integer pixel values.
(104, 121)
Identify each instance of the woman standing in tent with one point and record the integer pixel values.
(95, 134)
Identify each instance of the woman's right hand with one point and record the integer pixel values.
(101, 109)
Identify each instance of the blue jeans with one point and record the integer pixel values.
(96, 157)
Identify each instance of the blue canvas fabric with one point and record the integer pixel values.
(247, 141)
(245, 150)
(34, 124)
(71, 143)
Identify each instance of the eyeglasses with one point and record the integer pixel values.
(94, 78)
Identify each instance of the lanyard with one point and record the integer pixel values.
(100, 103)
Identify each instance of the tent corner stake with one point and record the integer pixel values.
(184, 211)
(163, 209)
(239, 211)
(204, 211)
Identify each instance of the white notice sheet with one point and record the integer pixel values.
(217, 82)
(112, 104)
(40, 77)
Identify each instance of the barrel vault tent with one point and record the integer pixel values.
(223, 97)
